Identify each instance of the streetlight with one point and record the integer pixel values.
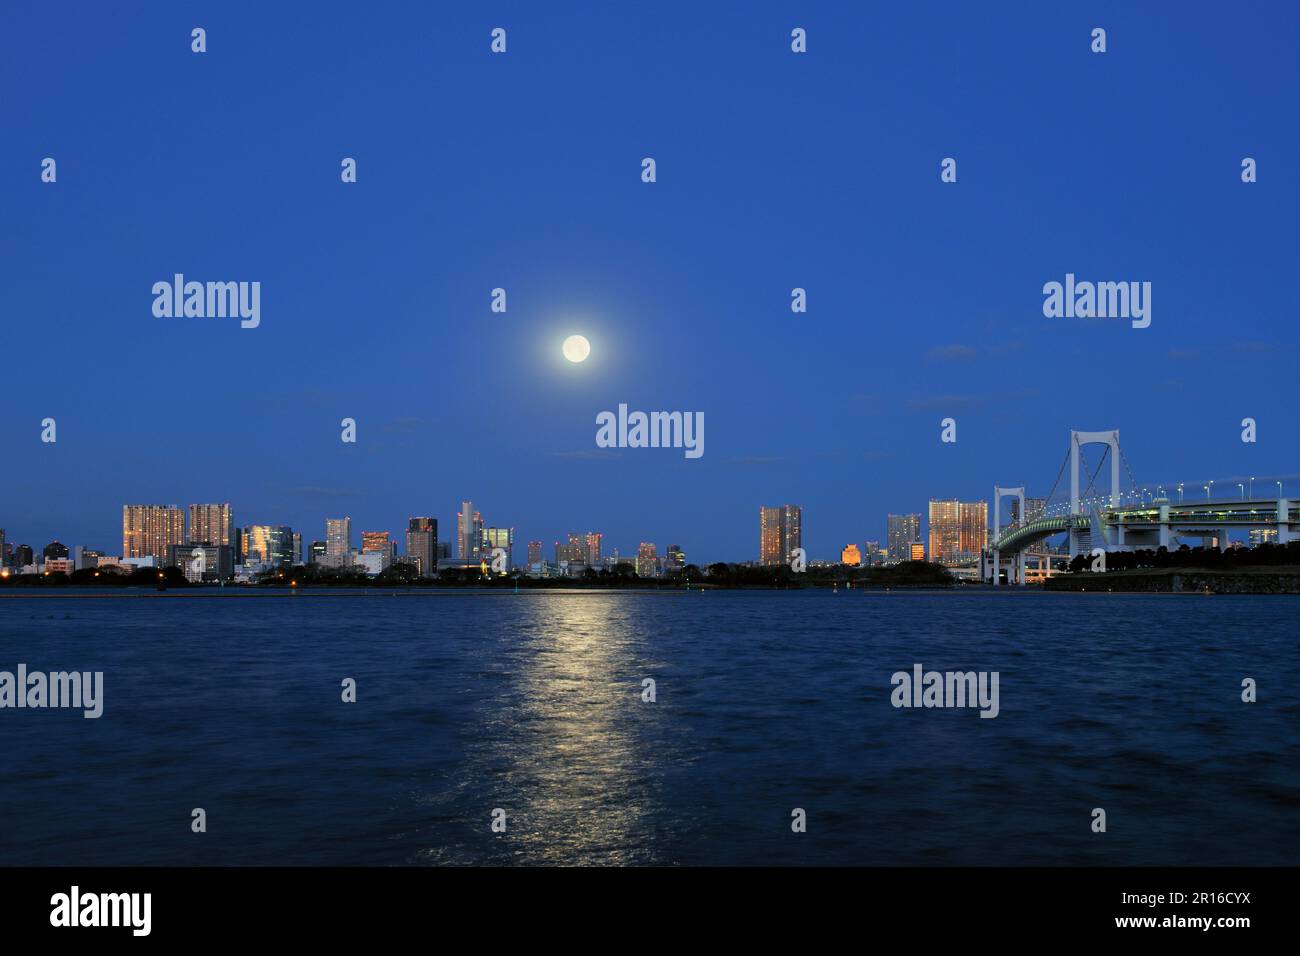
(1252, 489)
(1242, 489)
(1180, 492)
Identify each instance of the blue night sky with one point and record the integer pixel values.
(775, 170)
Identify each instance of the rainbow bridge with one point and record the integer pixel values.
(1105, 522)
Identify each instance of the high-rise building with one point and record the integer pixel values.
(149, 530)
(917, 551)
(577, 548)
(338, 535)
(958, 530)
(55, 551)
(23, 556)
(377, 541)
(973, 531)
(646, 560)
(779, 533)
(594, 539)
(676, 558)
(1035, 508)
(297, 548)
(503, 538)
(851, 555)
(83, 557)
(945, 530)
(268, 544)
(534, 553)
(469, 531)
(203, 562)
(902, 531)
(211, 524)
(316, 551)
(872, 555)
(4, 549)
(422, 543)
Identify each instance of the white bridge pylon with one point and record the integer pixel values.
(998, 494)
(1077, 441)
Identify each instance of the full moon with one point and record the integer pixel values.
(576, 348)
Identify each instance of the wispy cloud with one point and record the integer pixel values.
(318, 493)
(954, 353)
(588, 454)
(404, 425)
(960, 352)
(937, 403)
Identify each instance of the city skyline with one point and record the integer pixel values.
(952, 533)
(924, 298)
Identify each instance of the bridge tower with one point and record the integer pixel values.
(998, 494)
(1077, 441)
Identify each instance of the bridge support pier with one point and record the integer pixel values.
(1164, 526)
(1077, 440)
(998, 493)
(1283, 524)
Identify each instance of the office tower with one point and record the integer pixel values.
(149, 530)
(594, 539)
(902, 531)
(872, 555)
(469, 531)
(376, 541)
(444, 550)
(534, 553)
(851, 555)
(503, 538)
(676, 557)
(268, 544)
(55, 551)
(212, 524)
(297, 548)
(577, 549)
(338, 535)
(317, 551)
(916, 551)
(646, 558)
(422, 543)
(23, 556)
(4, 549)
(958, 530)
(779, 533)
(561, 552)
